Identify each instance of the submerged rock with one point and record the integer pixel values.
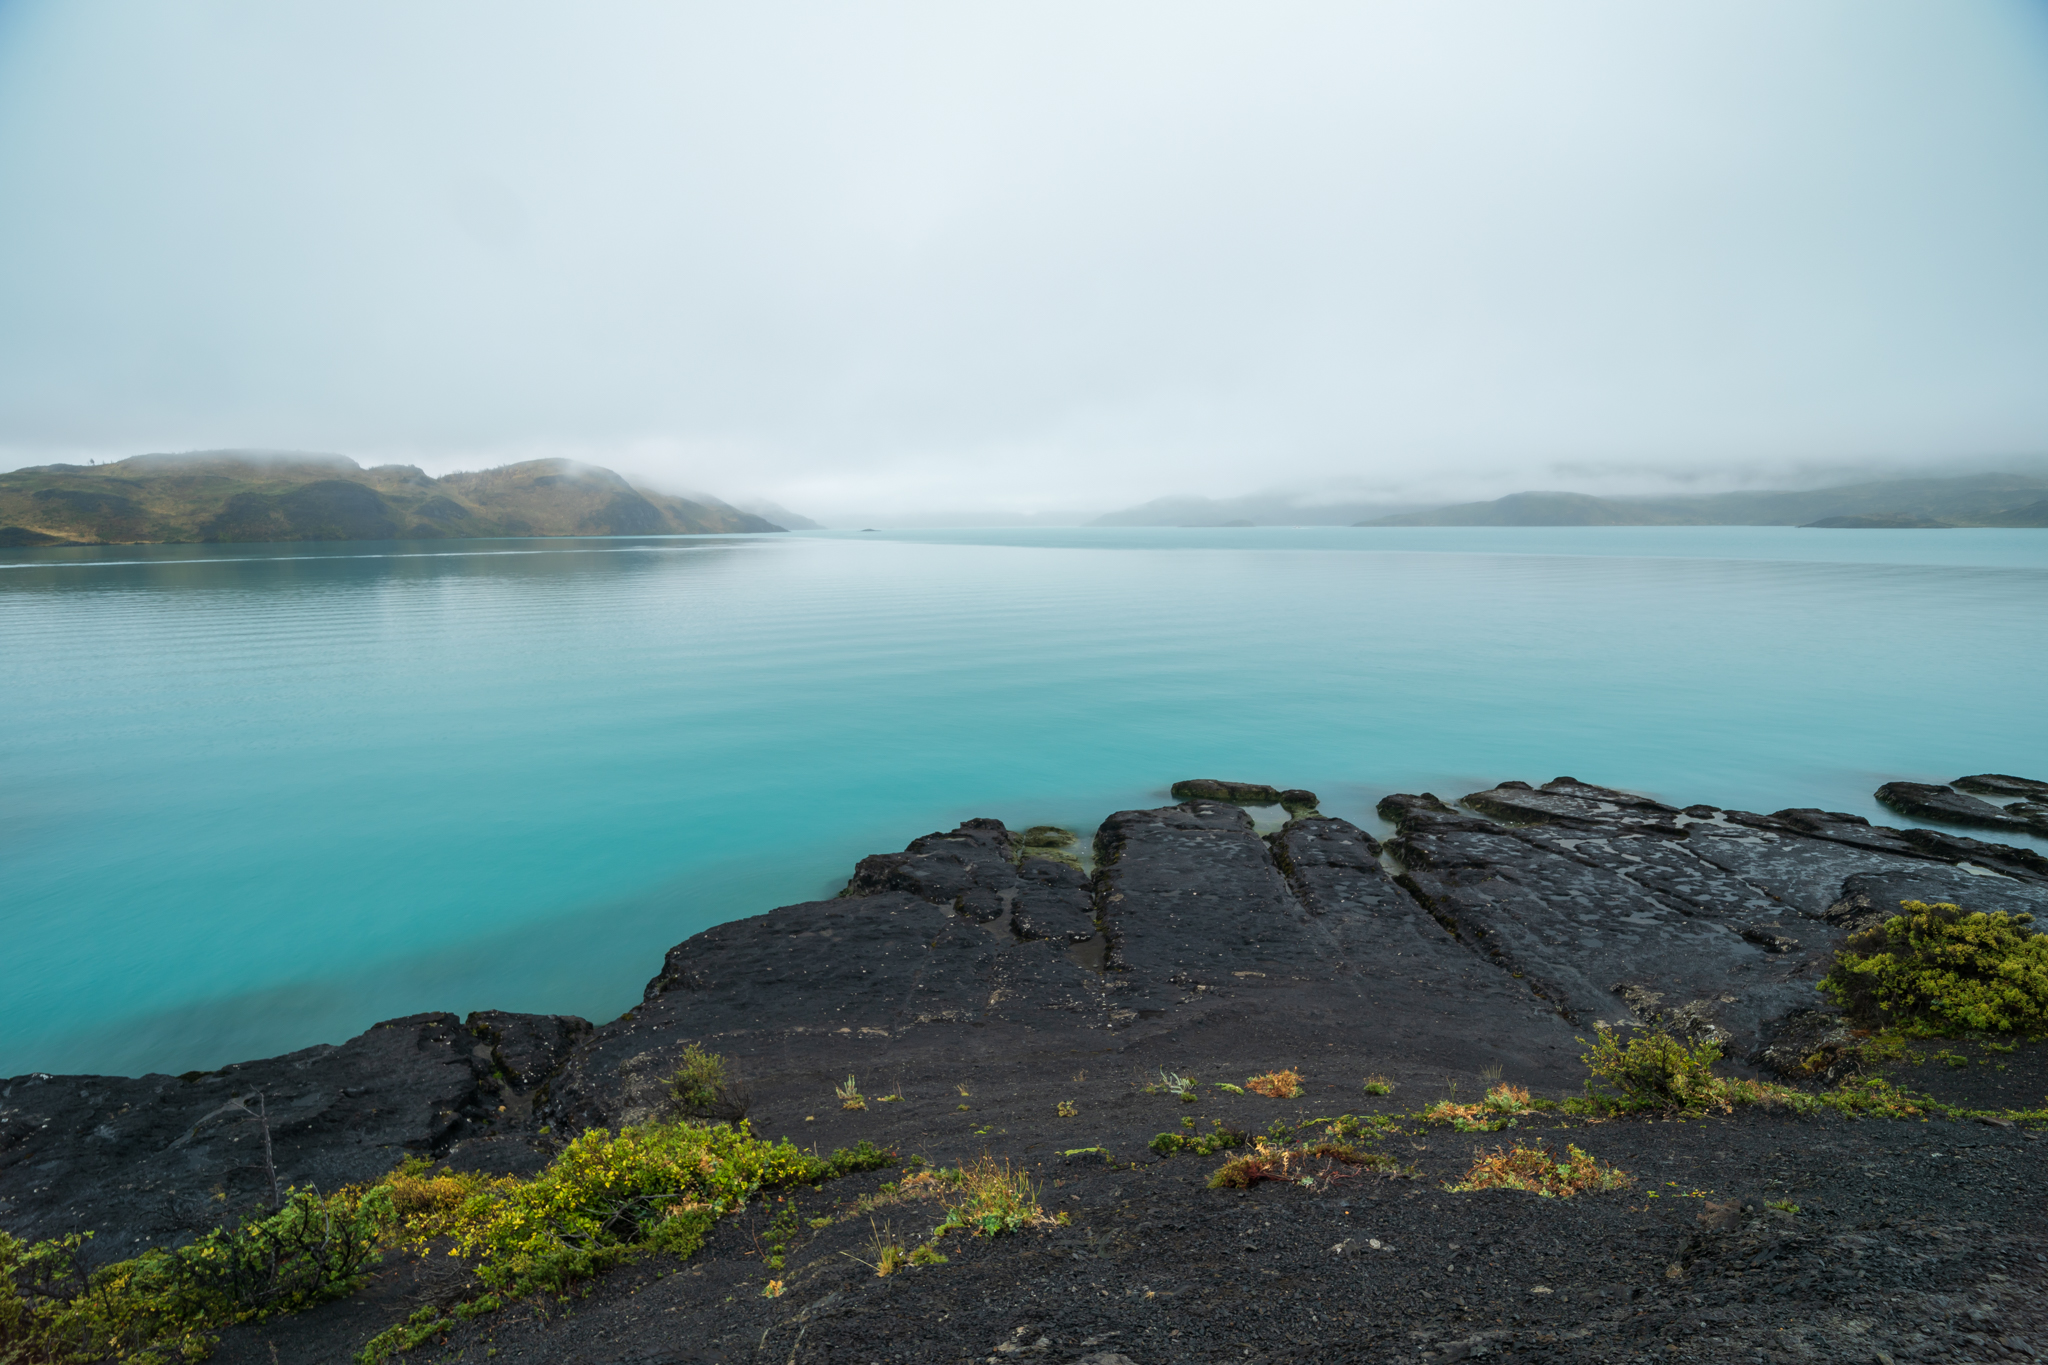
(1925, 801)
(1240, 793)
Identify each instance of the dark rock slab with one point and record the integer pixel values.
(142, 1160)
(1414, 990)
(1616, 906)
(1191, 897)
(946, 936)
(2002, 785)
(1925, 801)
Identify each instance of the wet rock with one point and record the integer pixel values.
(1616, 906)
(1924, 801)
(2002, 785)
(1238, 793)
(1047, 836)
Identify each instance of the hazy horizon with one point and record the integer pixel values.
(925, 264)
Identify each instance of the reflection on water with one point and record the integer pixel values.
(260, 796)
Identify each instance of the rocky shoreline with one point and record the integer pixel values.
(1483, 939)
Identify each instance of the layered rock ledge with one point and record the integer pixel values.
(1479, 939)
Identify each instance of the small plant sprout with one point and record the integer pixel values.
(849, 1095)
(1276, 1085)
(1068, 1109)
(1177, 1085)
(965, 1093)
(1377, 1084)
(774, 1289)
(1228, 1088)
(928, 1255)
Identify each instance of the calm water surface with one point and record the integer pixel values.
(256, 797)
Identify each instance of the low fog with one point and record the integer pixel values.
(999, 262)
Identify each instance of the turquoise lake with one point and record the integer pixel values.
(257, 797)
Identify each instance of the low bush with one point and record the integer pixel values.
(1496, 1111)
(1219, 1138)
(1378, 1085)
(1655, 1072)
(707, 1086)
(1297, 1165)
(1537, 1170)
(1276, 1085)
(165, 1305)
(1937, 970)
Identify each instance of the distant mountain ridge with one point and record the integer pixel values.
(1970, 500)
(253, 496)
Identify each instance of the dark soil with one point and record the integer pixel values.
(1911, 1241)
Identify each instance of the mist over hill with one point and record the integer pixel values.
(1970, 500)
(258, 496)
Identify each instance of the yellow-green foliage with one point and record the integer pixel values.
(1656, 1072)
(1937, 970)
(603, 1199)
(1277, 1085)
(1537, 1170)
(164, 1306)
(606, 1196)
(992, 1199)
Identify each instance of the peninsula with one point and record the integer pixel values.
(1231, 1080)
(252, 496)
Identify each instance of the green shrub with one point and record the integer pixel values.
(1937, 970)
(165, 1305)
(1656, 1072)
(607, 1196)
(706, 1086)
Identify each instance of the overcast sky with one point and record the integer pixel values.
(1004, 258)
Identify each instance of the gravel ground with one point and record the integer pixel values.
(1911, 1241)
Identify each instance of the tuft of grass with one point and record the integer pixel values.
(1276, 1085)
(1538, 1170)
(1937, 970)
(849, 1095)
(1176, 1085)
(1297, 1165)
(1377, 1084)
(890, 1255)
(992, 1199)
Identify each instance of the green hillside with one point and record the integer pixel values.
(217, 496)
